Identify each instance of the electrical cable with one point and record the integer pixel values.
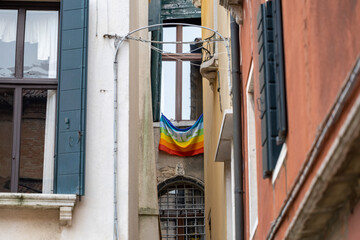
(224, 41)
(166, 54)
(118, 42)
(174, 42)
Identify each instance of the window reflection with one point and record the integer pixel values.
(8, 26)
(32, 140)
(189, 35)
(169, 35)
(41, 41)
(6, 139)
(168, 89)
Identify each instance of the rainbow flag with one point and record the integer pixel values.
(182, 142)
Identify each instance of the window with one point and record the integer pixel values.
(251, 152)
(272, 84)
(28, 83)
(42, 96)
(181, 206)
(176, 83)
(181, 82)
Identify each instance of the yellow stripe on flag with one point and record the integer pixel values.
(175, 147)
(182, 144)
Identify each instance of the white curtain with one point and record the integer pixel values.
(42, 28)
(8, 25)
(49, 143)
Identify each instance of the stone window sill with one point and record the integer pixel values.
(64, 202)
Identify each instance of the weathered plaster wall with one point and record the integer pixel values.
(345, 226)
(214, 103)
(168, 166)
(148, 220)
(353, 229)
(29, 224)
(93, 214)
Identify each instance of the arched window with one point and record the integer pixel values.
(182, 206)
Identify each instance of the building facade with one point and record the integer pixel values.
(77, 155)
(299, 117)
(218, 115)
(177, 94)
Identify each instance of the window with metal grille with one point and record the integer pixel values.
(181, 206)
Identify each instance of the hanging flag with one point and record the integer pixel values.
(182, 142)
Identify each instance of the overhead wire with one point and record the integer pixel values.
(118, 42)
(174, 42)
(225, 41)
(170, 56)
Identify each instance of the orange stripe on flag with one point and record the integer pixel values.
(175, 147)
(181, 154)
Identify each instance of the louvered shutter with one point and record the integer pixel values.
(261, 101)
(279, 73)
(70, 133)
(267, 83)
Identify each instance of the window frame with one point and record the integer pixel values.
(179, 57)
(22, 7)
(251, 154)
(18, 83)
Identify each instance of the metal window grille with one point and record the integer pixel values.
(181, 208)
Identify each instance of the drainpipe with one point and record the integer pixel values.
(117, 43)
(238, 170)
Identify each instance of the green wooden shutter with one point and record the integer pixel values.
(179, 9)
(279, 73)
(261, 101)
(154, 13)
(70, 133)
(156, 35)
(267, 83)
(156, 66)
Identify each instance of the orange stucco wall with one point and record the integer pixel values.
(321, 45)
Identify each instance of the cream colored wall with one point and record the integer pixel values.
(215, 186)
(29, 224)
(93, 215)
(147, 226)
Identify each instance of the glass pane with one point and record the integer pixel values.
(191, 34)
(169, 35)
(41, 44)
(32, 140)
(186, 91)
(6, 130)
(168, 78)
(8, 26)
(191, 91)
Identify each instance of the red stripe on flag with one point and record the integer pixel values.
(181, 154)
